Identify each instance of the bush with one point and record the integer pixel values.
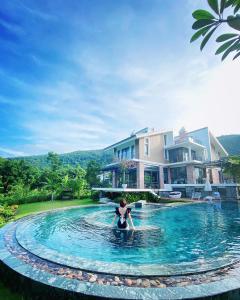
(131, 197)
(7, 213)
(33, 196)
(95, 195)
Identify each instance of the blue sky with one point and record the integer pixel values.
(78, 75)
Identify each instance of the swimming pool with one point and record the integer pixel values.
(178, 240)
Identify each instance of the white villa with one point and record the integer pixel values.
(157, 159)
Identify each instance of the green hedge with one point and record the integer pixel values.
(130, 197)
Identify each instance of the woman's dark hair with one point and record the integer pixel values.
(123, 203)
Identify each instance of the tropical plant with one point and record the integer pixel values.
(92, 173)
(206, 23)
(232, 167)
(79, 183)
(124, 166)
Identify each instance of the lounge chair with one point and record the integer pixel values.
(196, 196)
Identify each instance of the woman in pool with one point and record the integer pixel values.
(123, 213)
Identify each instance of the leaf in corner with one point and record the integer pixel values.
(199, 33)
(207, 37)
(224, 46)
(234, 22)
(229, 50)
(202, 23)
(202, 14)
(237, 8)
(237, 55)
(222, 6)
(214, 5)
(225, 37)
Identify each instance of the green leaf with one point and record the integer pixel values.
(229, 50)
(224, 46)
(200, 32)
(222, 6)
(225, 37)
(237, 8)
(214, 5)
(202, 23)
(207, 37)
(238, 54)
(202, 14)
(229, 3)
(234, 22)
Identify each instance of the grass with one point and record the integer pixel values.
(26, 209)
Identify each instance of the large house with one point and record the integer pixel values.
(154, 159)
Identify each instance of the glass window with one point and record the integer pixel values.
(200, 175)
(146, 146)
(165, 139)
(178, 175)
(166, 154)
(151, 177)
(132, 152)
(178, 155)
(165, 173)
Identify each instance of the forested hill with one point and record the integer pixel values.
(231, 143)
(72, 158)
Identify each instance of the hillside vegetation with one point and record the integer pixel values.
(73, 158)
(231, 143)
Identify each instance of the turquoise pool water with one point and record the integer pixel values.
(192, 237)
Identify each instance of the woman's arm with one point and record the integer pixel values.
(130, 218)
(114, 218)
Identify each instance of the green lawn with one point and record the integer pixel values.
(26, 209)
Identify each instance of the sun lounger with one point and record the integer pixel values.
(196, 196)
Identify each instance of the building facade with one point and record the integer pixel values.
(154, 159)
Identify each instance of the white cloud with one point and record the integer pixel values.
(10, 152)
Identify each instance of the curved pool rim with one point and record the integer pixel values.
(229, 285)
(113, 268)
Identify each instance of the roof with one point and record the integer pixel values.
(136, 135)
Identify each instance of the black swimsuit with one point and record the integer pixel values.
(122, 222)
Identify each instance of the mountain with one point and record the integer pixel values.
(72, 158)
(231, 143)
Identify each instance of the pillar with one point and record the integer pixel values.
(140, 175)
(169, 176)
(113, 178)
(161, 178)
(189, 153)
(191, 177)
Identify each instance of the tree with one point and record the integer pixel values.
(207, 23)
(232, 167)
(52, 176)
(92, 173)
(53, 160)
(78, 183)
(13, 172)
(125, 165)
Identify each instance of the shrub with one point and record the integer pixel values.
(7, 213)
(131, 197)
(2, 221)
